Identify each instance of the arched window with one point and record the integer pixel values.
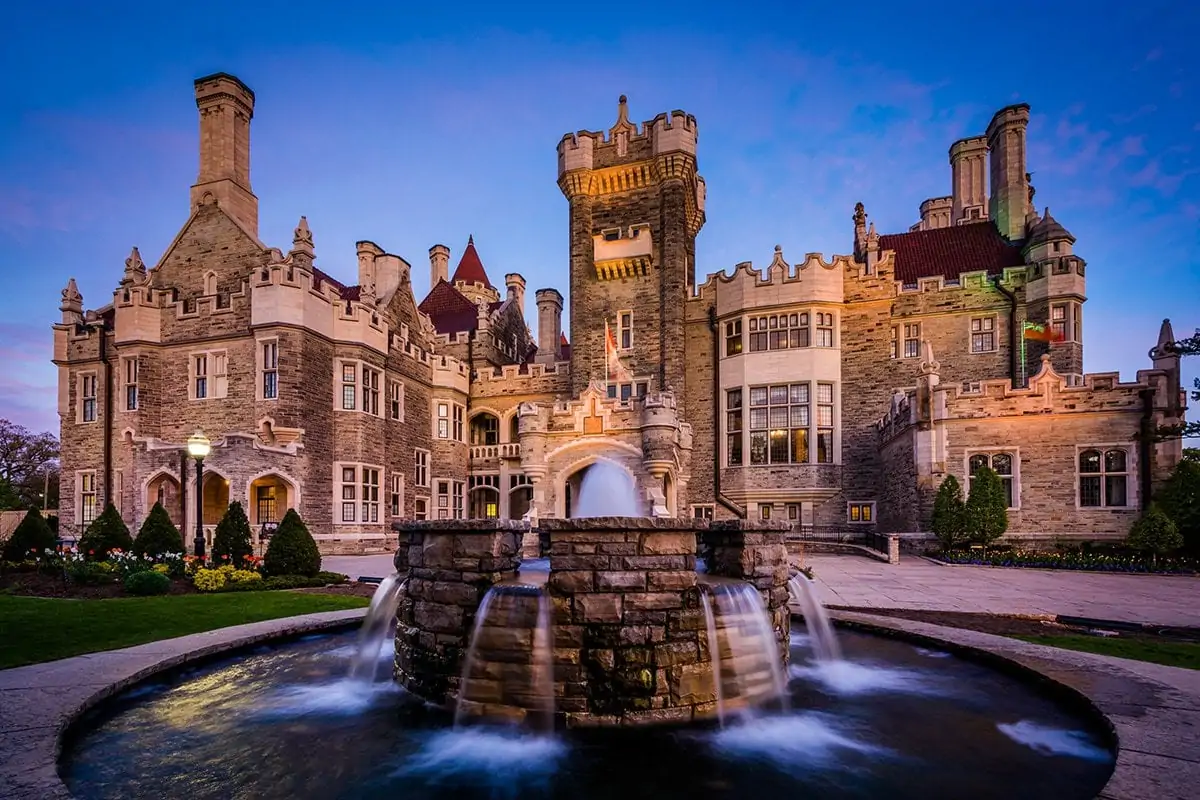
(1104, 478)
(1004, 465)
(485, 429)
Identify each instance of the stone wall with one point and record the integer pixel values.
(756, 552)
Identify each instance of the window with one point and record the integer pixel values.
(626, 390)
(220, 375)
(450, 495)
(370, 494)
(270, 369)
(421, 508)
(825, 423)
(764, 512)
(983, 334)
(396, 401)
(702, 512)
(485, 429)
(733, 427)
(200, 376)
(733, 337)
(130, 382)
(779, 420)
(359, 492)
(860, 512)
(443, 420)
(1077, 326)
(824, 329)
(625, 329)
(349, 494)
(209, 375)
(87, 397)
(912, 340)
(87, 499)
(349, 387)
(421, 468)
(1003, 465)
(443, 499)
(459, 494)
(370, 390)
(459, 414)
(264, 501)
(1058, 321)
(779, 331)
(1104, 478)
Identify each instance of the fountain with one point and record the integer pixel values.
(606, 491)
(376, 628)
(745, 662)
(803, 592)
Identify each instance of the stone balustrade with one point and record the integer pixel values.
(482, 452)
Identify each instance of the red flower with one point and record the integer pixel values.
(91, 552)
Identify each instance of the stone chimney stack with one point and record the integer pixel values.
(1009, 203)
(226, 107)
(550, 305)
(516, 290)
(439, 265)
(968, 180)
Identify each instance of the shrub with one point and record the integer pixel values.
(986, 510)
(107, 532)
(232, 541)
(158, 535)
(327, 578)
(147, 583)
(209, 580)
(32, 533)
(1155, 532)
(292, 550)
(948, 522)
(1179, 498)
(83, 572)
(244, 576)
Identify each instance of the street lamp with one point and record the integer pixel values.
(198, 447)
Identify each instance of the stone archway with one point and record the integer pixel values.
(163, 488)
(571, 479)
(269, 495)
(520, 500)
(484, 503)
(216, 496)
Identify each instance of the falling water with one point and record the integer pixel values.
(820, 630)
(376, 627)
(606, 491)
(508, 672)
(745, 652)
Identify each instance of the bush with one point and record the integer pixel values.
(1179, 498)
(32, 533)
(83, 572)
(292, 550)
(327, 578)
(1155, 532)
(209, 580)
(986, 510)
(232, 541)
(948, 522)
(147, 583)
(158, 535)
(244, 576)
(107, 532)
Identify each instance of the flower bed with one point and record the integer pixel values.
(1074, 559)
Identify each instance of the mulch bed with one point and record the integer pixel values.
(353, 589)
(35, 584)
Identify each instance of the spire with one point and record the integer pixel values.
(470, 269)
(72, 303)
(302, 239)
(1166, 336)
(1049, 230)
(135, 268)
(623, 129)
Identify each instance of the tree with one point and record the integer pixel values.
(1155, 532)
(158, 535)
(9, 499)
(26, 461)
(32, 533)
(987, 508)
(107, 532)
(1186, 430)
(948, 521)
(1179, 499)
(233, 537)
(292, 550)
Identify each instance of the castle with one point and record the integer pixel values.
(834, 394)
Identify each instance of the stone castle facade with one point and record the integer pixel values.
(833, 394)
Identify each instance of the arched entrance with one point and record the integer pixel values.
(485, 503)
(163, 489)
(268, 497)
(216, 497)
(519, 501)
(616, 490)
(485, 429)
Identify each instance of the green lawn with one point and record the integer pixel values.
(1170, 653)
(35, 629)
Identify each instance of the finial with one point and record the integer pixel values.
(72, 300)
(135, 268)
(860, 214)
(871, 229)
(302, 239)
(471, 239)
(778, 248)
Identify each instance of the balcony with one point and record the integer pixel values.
(482, 452)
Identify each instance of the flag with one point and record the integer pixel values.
(1041, 333)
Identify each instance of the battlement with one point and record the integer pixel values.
(1011, 277)
(512, 374)
(813, 280)
(450, 373)
(626, 141)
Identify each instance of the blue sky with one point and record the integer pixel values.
(411, 127)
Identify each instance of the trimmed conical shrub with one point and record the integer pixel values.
(1155, 532)
(233, 537)
(949, 511)
(158, 535)
(987, 507)
(292, 550)
(32, 533)
(107, 532)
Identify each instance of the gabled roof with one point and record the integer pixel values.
(470, 268)
(346, 292)
(448, 309)
(564, 346)
(949, 252)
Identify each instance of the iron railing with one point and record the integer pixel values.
(817, 533)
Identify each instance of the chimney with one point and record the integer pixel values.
(1009, 203)
(516, 290)
(226, 107)
(439, 265)
(968, 179)
(549, 338)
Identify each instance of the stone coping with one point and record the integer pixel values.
(1153, 711)
(622, 524)
(41, 701)
(460, 525)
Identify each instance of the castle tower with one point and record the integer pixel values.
(226, 107)
(968, 180)
(439, 265)
(1054, 294)
(636, 205)
(549, 335)
(1009, 203)
(471, 278)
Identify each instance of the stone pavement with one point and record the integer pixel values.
(918, 583)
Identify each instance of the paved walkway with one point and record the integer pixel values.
(917, 583)
(848, 580)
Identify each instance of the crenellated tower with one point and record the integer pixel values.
(636, 205)
(1055, 293)
(226, 107)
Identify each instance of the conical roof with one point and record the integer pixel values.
(470, 268)
(1048, 230)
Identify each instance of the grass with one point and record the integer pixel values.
(37, 629)
(1167, 652)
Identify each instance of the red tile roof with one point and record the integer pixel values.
(470, 268)
(346, 292)
(564, 346)
(948, 252)
(449, 310)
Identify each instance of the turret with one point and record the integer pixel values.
(471, 279)
(549, 305)
(1009, 203)
(1055, 291)
(968, 180)
(515, 285)
(439, 264)
(226, 107)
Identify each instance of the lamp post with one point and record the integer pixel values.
(198, 447)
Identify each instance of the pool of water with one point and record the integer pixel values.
(893, 721)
